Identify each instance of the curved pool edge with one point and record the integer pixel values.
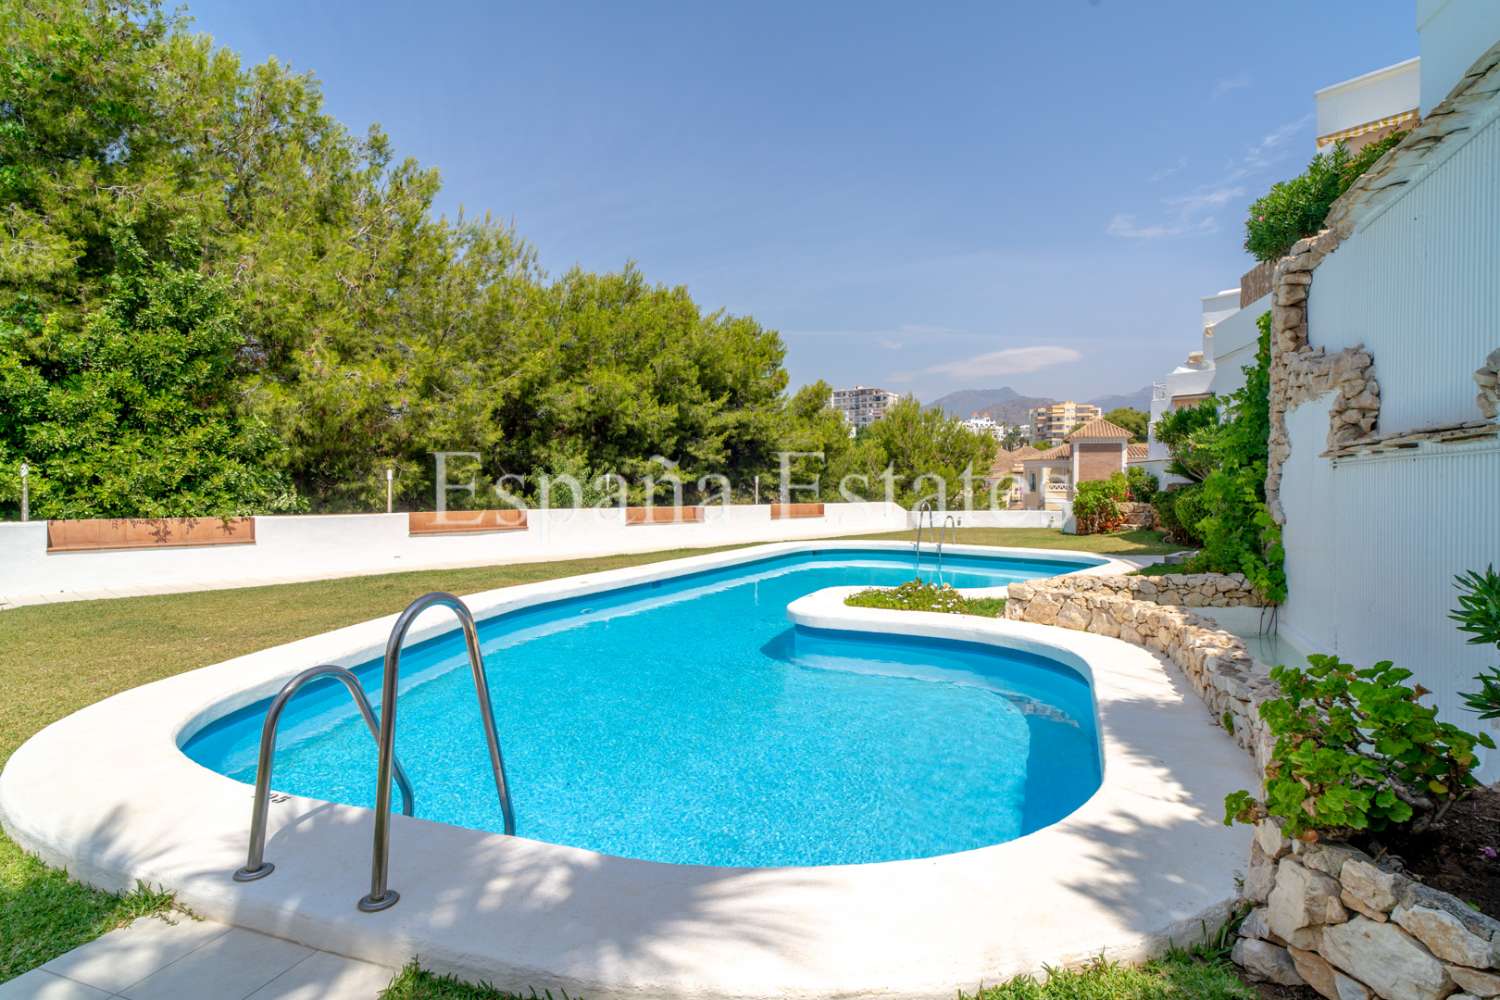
(107, 794)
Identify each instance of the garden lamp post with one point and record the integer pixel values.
(25, 491)
(390, 476)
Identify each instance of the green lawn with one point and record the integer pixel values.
(1180, 976)
(58, 658)
(1123, 543)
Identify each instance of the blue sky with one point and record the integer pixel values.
(926, 197)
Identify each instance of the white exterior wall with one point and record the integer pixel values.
(1454, 34)
(1375, 95)
(317, 547)
(1418, 286)
(1232, 346)
(1374, 542)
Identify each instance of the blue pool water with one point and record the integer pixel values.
(687, 721)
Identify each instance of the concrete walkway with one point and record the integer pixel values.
(153, 959)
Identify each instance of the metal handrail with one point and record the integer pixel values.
(256, 865)
(382, 896)
(942, 532)
(925, 507)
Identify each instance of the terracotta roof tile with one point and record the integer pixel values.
(1100, 428)
(1137, 451)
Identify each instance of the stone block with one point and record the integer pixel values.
(1475, 982)
(1351, 989)
(1444, 935)
(1316, 972)
(1302, 898)
(1394, 964)
(1375, 888)
(1266, 962)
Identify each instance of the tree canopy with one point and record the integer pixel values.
(1133, 420)
(216, 299)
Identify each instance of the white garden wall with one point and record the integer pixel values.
(316, 547)
(999, 518)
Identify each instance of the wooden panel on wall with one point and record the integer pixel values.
(148, 533)
(781, 511)
(458, 522)
(663, 515)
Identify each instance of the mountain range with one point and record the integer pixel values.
(1007, 406)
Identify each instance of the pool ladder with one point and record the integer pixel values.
(949, 522)
(381, 895)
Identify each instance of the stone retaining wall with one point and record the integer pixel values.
(1138, 515)
(1353, 928)
(1325, 915)
(1152, 612)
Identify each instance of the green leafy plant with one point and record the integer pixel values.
(1188, 434)
(1478, 613)
(1188, 512)
(915, 595)
(1356, 750)
(1143, 485)
(1296, 208)
(1096, 504)
(1223, 445)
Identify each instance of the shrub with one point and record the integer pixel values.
(915, 595)
(1189, 435)
(1296, 208)
(1096, 504)
(1357, 751)
(1478, 613)
(1143, 485)
(1190, 509)
(1234, 523)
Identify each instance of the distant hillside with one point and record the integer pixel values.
(1138, 400)
(1006, 406)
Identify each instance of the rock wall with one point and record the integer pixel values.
(1325, 915)
(1352, 928)
(1152, 612)
(1138, 515)
(1300, 372)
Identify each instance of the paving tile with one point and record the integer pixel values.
(233, 965)
(327, 977)
(130, 954)
(39, 984)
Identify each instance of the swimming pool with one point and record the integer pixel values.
(684, 720)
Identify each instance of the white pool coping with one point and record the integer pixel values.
(107, 793)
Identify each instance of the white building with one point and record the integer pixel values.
(981, 424)
(1357, 112)
(863, 405)
(1192, 381)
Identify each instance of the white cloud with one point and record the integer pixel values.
(1225, 85)
(1010, 361)
(1166, 172)
(1125, 227)
(1195, 212)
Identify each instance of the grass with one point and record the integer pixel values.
(58, 658)
(1137, 542)
(1162, 569)
(416, 983)
(1179, 976)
